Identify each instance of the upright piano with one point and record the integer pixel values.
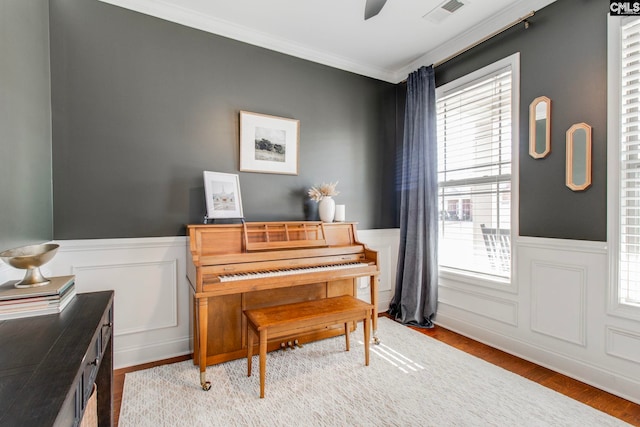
(234, 267)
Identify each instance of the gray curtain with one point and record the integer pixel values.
(416, 295)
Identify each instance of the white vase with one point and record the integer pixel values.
(327, 209)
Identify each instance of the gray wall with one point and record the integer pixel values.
(563, 55)
(142, 106)
(25, 124)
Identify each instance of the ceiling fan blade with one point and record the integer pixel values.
(372, 8)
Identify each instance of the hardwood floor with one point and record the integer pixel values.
(603, 401)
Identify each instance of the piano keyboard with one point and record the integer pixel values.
(288, 271)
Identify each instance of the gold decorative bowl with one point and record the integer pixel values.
(30, 258)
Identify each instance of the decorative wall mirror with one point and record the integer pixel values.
(579, 157)
(540, 127)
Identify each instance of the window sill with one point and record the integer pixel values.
(448, 275)
(626, 311)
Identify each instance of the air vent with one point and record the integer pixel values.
(452, 6)
(443, 11)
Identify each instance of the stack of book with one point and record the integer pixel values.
(39, 300)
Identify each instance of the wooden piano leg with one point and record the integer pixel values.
(367, 332)
(373, 286)
(203, 322)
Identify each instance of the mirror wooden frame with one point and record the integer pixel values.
(571, 155)
(533, 131)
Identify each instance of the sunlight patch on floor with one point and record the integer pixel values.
(394, 358)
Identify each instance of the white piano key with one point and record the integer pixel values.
(287, 272)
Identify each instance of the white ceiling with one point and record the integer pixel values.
(387, 47)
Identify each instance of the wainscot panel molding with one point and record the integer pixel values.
(560, 289)
(623, 344)
(478, 304)
(386, 242)
(152, 306)
(562, 322)
(154, 313)
(151, 303)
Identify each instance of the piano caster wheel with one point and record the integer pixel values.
(297, 344)
(376, 340)
(206, 385)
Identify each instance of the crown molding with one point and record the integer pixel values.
(171, 12)
(190, 18)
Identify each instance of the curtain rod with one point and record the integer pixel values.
(495, 33)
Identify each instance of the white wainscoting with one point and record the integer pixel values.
(561, 314)
(623, 344)
(385, 242)
(560, 289)
(152, 300)
(554, 314)
(7, 273)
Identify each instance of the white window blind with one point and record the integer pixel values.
(629, 203)
(474, 175)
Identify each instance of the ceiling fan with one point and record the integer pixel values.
(372, 8)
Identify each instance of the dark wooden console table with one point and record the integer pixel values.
(48, 364)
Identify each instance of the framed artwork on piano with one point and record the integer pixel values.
(222, 195)
(268, 144)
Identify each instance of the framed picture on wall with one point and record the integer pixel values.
(268, 144)
(222, 193)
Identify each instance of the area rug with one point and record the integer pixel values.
(412, 380)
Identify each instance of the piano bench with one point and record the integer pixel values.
(290, 319)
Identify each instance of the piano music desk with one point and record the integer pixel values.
(290, 319)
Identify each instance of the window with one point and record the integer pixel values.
(476, 116)
(625, 154)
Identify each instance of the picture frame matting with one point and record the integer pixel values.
(222, 195)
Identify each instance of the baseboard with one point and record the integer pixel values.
(141, 354)
(587, 373)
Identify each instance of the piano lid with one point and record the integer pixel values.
(253, 241)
